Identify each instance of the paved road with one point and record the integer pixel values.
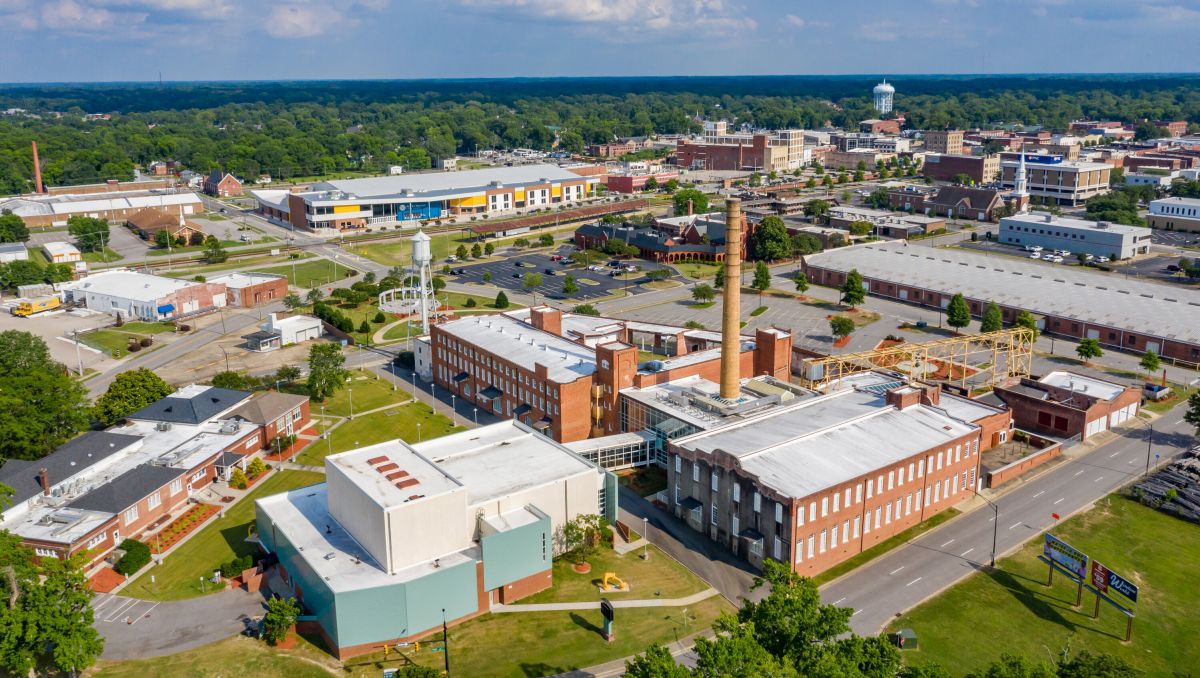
(903, 578)
(135, 628)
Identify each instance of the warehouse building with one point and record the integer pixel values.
(353, 204)
(1066, 404)
(146, 297)
(814, 482)
(1118, 311)
(1098, 238)
(13, 251)
(247, 290)
(1175, 214)
(56, 209)
(401, 538)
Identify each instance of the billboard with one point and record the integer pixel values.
(1066, 556)
(1109, 583)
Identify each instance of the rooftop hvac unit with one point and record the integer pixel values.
(230, 427)
(162, 426)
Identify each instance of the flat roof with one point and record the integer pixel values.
(1099, 388)
(502, 459)
(130, 285)
(1047, 219)
(369, 467)
(1070, 292)
(524, 345)
(1177, 200)
(437, 182)
(1077, 165)
(238, 281)
(60, 248)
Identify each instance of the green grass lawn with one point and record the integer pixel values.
(1012, 610)
(221, 541)
(310, 273)
(397, 422)
(115, 340)
(519, 645)
(659, 577)
(252, 657)
(759, 311)
(107, 256)
(162, 251)
(369, 392)
(697, 269)
(210, 269)
(399, 252)
(884, 546)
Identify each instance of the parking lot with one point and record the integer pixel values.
(1175, 238)
(509, 274)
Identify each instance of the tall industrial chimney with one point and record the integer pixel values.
(37, 171)
(731, 301)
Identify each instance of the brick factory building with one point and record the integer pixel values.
(247, 290)
(721, 149)
(1066, 404)
(817, 481)
(980, 169)
(1118, 311)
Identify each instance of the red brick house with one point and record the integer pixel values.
(247, 290)
(222, 184)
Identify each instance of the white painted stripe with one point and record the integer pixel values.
(947, 543)
(913, 581)
(1059, 501)
(1078, 473)
(856, 613)
(1114, 454)
(1039, 494)
(1098, 479)
(839, 600)
(968, 551)
(896, 570)
(143, 615)
(1014, 525)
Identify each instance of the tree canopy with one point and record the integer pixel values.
(771, 241)
(958, 313)
(852, 290)
(129, 392)
(326, 370)
(682, 196)
(43, 406)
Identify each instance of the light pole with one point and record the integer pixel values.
(224, 353)
(418, 432)
(350, 392)
(475, 413)
(995, 525)
(328, 440)
(1149, 445)
(646, 536)
(453, 411)
(78, 357)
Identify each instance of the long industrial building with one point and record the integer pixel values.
(1118, 311)
(55, 210)
(353, 204)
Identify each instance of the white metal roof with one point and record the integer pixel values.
(242, 280)
(1099, 388)
(1044, 219)
(435, 182)
(53, 248)
(1065, 291)
(525, 345)
(129, 285)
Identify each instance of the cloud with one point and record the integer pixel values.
(301, 20)
(636, 16)
(794, 21)
(879, 31)
(78, 17)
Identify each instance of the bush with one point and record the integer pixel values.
(237, 480)
(364, 327)
(136, 556)
(471, 302)
(281, 614)
(146, 341)
(379, 317)
(406, 360)
(134, 347)
(236, 566)
(256, 467)
(185, 328)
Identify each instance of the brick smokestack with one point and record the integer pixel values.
(37, 171)
(689, 200)
(731, 301)
(44, 476)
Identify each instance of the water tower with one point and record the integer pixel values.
(884, 93)
(416, 296)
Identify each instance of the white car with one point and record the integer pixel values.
(1033, 248)
(1088, 257)
(1048, 257)
(1102, 260)
(1056, 259)
(1035, 255)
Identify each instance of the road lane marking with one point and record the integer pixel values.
(1114, 454)
(1059, 501)
(856, 613)
(991, 519)
(1098, 479)
(1014, 525)
(839, 600)
(947, 544)
(913, 581)
(968, 551)
(1039, 494)
(1078, 473)
(896, 570)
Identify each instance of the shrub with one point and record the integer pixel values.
(237, 479)
(136, 556)
(236, 566)
(470, 302)
(134, 347)
(281, 614)
(379, 317)
(406, 359)
(146, 341)
(256, 468)
(364, 327)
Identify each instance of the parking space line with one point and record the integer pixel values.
(964, 553)
(142, 615)
(947, 544)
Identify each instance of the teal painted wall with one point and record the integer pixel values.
(317, 598)
(406, 609)
(516, 553)
(610, 496)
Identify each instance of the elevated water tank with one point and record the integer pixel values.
(420, 249)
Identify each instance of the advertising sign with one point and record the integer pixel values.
(1066, 556)
(1099, 577)
(1111, 584)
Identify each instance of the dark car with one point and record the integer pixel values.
(1173, 268)
(550, 271)
(516, 275)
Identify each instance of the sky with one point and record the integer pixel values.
(137, 40)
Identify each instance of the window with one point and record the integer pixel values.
(812, 511)
(757, 502)
(678, 464)
(176, 486)
(833, 536)
(921, 468)
(695, 472)
(946, 491)
(878, 513)
(714, 481)
(936, 492)
(887, 517)
(957, 453)
(869, 484)
(153, 501)
(918, 497)
(847, 502)
(856, 526)
(733, 524)
(45, 553)
(198, 475)
(858, 494)
(713, 511)
(910, 473)
(939, 461)
(131, 514)
(778, 512)
(867, 525)
(824, 506)
(908, 504)
(97, 540)
(737, 492)
(810, 546)
(777, 549)
(799, 551)
(891, 479)
(824, 538)
(837, 498)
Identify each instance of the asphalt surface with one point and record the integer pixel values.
(134, 628)
(509, 274)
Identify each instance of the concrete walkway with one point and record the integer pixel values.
(591, 605)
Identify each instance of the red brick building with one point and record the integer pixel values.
(1066, 404)
(980, 169)
(247, 290)
(635, 183)
(222, 185)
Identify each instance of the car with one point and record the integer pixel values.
(1056, 259)
(1063, 253)
(1033, 248)
(520, 264)
(556, 257)
(451, 258)
(1101, 260)
(1088, 257)
(516, 275)
(1035, 255)
(1173, 268)
(245, 238)
(1048, 257)
(550, 271)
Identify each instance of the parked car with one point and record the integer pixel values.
(1057, 259)
(516, 275)
(1033, 248)
(556, 257)
(1101, 260)
(1035, 255)
(550, 271)
(451, 258)
(1048, 257)
(1173, 268)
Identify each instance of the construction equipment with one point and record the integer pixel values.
(27, 308)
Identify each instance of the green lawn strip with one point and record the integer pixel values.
(163, 251)
(884, 546)
(370, 391)
(701, 305)
(524, 644)
(310, 273)
(251, 656)
(115, 340)
(219, 542)
(1012, 610)
(37, 256)
(402, 331)
(397, 422)
(697, 269)
(108, 255)
(265, 260)
(759, 311)
(659, 577)
(661, 284)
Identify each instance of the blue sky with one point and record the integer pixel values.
(90, 40)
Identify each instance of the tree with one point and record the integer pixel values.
(163, 240)
(962, 179)
(292, 301)
(671, 186)
(546, 240)
(314, 295)
(771, 241)
(238, 479)
(802, 284)
(476, 251)
(805, 243)
(852, 290)
(1088, 349)
(811, 183)
(1150, 362)
(699, 201)
(586, 309)
(655, 662)
(1025, 319)
(569, 285)
(379, 317)
(859, 175)
(461, 253)
(993, 319)
(762, 279)
(531, 281)
(958, 313)
(755, 180)
(91, 234)
(214, 253)
(23, 351)
(489, 248)
(501, 301)
(364, 327)
(129, 392)
(879, 198)
(827, 182)
(860, 227)
(841, 326)
(652, 184)
(43, 408)
(438, 283)
(719, 277)
(487, 276)
(13, 228)
(703, 293)
(232, 380)
(1192, 415)
(281, 614)
(581, 535)
(326, 370)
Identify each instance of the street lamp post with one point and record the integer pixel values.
(475, 413)
(453, 411)
(350, 392)
(328, 440)
(995, 525)
(418, 432)
(226, 354)
(1149, 445)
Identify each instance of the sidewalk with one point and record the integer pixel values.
(591, 604)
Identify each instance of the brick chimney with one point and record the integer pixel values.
(731, 302)
(689, 200)
(904, 397)
(44, 476)
(546, 319)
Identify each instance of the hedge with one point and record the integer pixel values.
(136, 556)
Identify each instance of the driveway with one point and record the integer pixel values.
(134, 628)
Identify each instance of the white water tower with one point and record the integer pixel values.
(417, 294)
(883, 95)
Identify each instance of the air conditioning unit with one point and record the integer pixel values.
(162, 426)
